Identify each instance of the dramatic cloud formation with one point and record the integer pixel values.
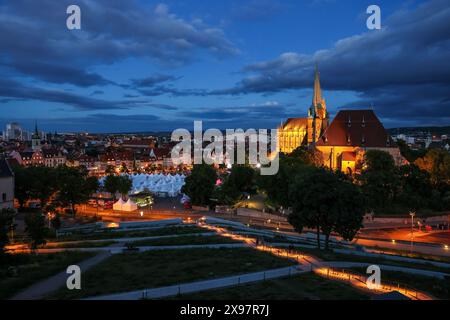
(402, 70)
(35, 41)
(139, 57)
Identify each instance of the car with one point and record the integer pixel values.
(92, 202)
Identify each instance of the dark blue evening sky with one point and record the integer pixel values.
(153, 66)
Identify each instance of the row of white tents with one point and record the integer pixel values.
(169, 185)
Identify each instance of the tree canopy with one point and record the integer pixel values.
(200, 184)
(325, 201)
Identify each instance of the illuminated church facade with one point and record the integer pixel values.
(343, 142)
(296, 132)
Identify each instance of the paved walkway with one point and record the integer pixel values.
(43, 288)
(344, 264)
(186, 288)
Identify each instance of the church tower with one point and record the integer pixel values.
(35, 139)
(317, 114)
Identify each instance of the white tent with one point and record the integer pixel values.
(156, 183)
(118, 205)
(129, 206)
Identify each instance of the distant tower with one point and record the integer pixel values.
(35, 139)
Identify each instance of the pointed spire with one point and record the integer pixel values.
(35, 127)
(317, 97)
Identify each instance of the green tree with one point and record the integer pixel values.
(408, 153)
(415, 187)
(277, 186)
(23, 185)
(110, 184)
(437, 163)
(6, 225)
(309, 156)
(325, 201)
(379, 179)
(44, 183)
(124, 185)
(74, 187)
(35, 227)
(240, 180)
(200, 184)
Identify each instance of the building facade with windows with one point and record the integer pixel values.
(6, 185)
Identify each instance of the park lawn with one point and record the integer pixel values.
(152, 269)
(30, 268)
(134, 233)
(185, 240)
(83, 244)
(307, 286)
(333, 256)
(439, 288)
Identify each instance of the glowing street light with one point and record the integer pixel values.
(142, 213)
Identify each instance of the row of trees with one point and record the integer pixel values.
(423, 184)
(54, 187)
(331, 201)
(35, 227)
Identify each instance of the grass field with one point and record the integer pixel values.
(20, 271)
(300, 287)
(151, 269)
(185, 240)
(134, 233)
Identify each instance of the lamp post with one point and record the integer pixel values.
(412, 214)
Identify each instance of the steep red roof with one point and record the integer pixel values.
(356, 128)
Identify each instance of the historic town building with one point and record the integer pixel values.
(344, 141)
(296, 132)
(6, 185)
(350, 135)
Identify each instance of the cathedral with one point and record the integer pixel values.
(343, 142)
(296, 132)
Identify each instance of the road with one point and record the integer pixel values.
(425, 243)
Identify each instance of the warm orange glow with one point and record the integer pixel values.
(357, 281)
(112, 225)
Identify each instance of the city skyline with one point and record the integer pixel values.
(230, 64)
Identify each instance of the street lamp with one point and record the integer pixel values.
(412, 214)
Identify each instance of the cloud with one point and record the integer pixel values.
(36, 42)
(402, 69)
(153, 80)
(268, 110)
(11, 89)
